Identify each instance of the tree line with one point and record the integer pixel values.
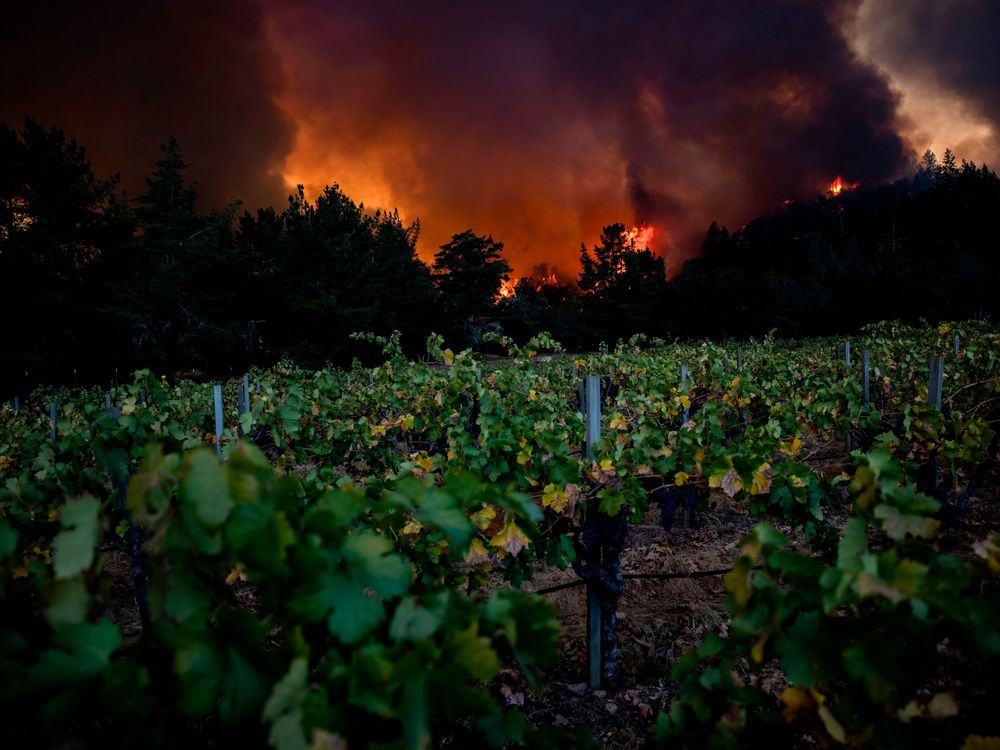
(92, 282)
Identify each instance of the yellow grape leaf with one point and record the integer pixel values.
(607, 466)
(618, 422)
(944, 328)
(477, 552)
(412, 527)
(524, 457)
(681, 478)
(868, 585)
(833, 726)
(684, 401)
(554, 498)
(511, 539)
(792, 447)
(940, 706)
(757, 651)
(236, 574)
(989, 550)
(761, 480)
(449, 356)
(483, 518)
(796, 700)
(425, 462)
(978, 742)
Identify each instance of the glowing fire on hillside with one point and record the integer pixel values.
(508, 288)
(536, 281)
(642, 236)
(838, 186)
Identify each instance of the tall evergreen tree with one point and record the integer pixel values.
(624, 286)
(61, 229)
(468, 272)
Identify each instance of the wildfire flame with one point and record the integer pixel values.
(507, 288)
(641, 235)
(537, 281)
(838, 186)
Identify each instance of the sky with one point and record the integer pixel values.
(535, 122)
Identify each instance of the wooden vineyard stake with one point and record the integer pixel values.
(684, 377)
(592, 399)
(246, 394)
(17, 404)
(847, 353)
(866, 376)
(239, 408)
(590, 388)
(52, 418)
(936, 381)
(957, 344)
(218, 419)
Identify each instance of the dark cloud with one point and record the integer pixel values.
(529, 119)
(537, 122)
(122, 77)
(953, 45)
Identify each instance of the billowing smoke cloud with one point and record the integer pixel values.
(537, 123)
(945, 55)
(122, 77)
(541, 122)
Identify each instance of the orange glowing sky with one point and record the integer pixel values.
(536, 123)
(545, 195)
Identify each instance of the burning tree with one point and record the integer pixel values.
(622, 281)
(469, 272)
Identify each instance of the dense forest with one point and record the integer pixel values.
(94, 282)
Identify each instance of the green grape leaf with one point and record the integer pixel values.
(205, 489)
(284, 708)
(355, 613)
(8, 538)
(73, 547)
(474, 654)
(414, 622)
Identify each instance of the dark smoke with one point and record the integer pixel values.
(536, 122)
(950, 44)
(677, 113)
(122, 77)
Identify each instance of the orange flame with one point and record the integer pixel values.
(838, 186)
(642, 236)
(508, 288)
(536, 281)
